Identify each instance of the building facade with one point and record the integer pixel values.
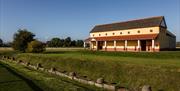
(148, 34)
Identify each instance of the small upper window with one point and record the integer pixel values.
(128, 32)
(106, 34)
(151, 30)
(138, 31)
(93, 35)
(113, 33)
(99, 34)
(120, 32)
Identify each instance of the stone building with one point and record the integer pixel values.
(148, 34)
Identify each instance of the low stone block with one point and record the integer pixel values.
(30, 66)
(70, 77)
(34, 67)
(4, 56)
(53, 69)
(42, 69)
(72, 74)
(23, 63)
(13, 58)
(64, 71)
(28, 63)
(83, 81)
(91, 82)
(99, 85)
(146, 88)
(65, 75)
(52, 72)
(46, 70)
(39, 65)
(76, 79)
(109, 87)
(122, 89)
(20, 61)
(59, 73)
(100, 80)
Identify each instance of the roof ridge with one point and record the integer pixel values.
(137, 19)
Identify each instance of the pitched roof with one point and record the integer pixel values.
(87, 40)
(139, 23)
(127, 37)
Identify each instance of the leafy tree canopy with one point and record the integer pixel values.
(55, 42)
(1, 42)
(67, 42)
(21, 39)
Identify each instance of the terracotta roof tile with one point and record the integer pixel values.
(127, 37)
(139, 23)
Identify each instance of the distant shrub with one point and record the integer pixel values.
(35, 47)
(177, 44)
(1, 42)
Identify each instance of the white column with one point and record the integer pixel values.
(105, 44)
(84, 44)
(96, 45)
(153, 45)
(114, 44)
(91, 45)
(125, 44)
(138, 45)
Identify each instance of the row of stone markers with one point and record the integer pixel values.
(72, 75)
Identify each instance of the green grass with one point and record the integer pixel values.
(32, 80)
(10, 81)
(128, 69)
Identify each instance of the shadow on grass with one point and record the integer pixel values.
(177, 49)
(11, 81)
(30, 83)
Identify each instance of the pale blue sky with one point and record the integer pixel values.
(75, 18)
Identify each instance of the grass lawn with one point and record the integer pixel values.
(127, 69)
(10, 81)
(15, 77)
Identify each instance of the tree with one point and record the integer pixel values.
(177, 44)
(73, 43)
(54, 42)
(79, 43)
(35, 47)
(7, 44)
(21, 39)
(1, 42)
(62, 43)
(67, 42)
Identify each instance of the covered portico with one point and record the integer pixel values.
(125, 43)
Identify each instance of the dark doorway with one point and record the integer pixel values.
(143, 45)
(100, 45)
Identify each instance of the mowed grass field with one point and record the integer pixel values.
(127, 69)
(15, 77)
(10, 81)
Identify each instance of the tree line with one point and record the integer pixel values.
(3, 44)
(24, 41)
(67, 42)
